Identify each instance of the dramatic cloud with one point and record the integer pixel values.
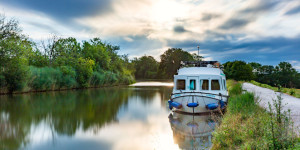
(293, 11)
(251, 30)
(234, 23)
(65, 10)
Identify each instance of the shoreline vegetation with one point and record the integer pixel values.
(246, 125)
(58, 63)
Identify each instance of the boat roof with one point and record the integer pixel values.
(200, 71)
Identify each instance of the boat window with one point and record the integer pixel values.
(192, 84)
(180, 85)
(215, 85)
(204, 84)
(224, 84)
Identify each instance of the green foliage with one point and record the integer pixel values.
(238, 70)
(170, 62)
(37, 59)
(146, 67)
(48, 78)
(97, 79)
(245, 125)
(16, 73)
(96, 50)
(44, 78)
(2, 81)
(235, 89)
(63, 62)
(242, 103)
(84, 71)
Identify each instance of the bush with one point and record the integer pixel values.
(2, 81)
(16, 74)
(98, 79)
(244, 103)
(84, 71)
(44, 78)
(236, 89)
(68, 79)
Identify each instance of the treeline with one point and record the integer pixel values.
(148, 68)
(282, 75)
(57, 63)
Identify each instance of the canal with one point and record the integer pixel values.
(126, 117)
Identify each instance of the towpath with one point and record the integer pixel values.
(266, 95)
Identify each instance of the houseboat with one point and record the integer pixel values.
(199, 87)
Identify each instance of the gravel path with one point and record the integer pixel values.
(266, 95)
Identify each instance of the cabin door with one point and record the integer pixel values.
(192, 83)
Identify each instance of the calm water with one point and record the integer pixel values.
(133, 117)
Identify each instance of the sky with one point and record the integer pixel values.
(264, 31)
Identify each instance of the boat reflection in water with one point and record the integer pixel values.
(192, 132)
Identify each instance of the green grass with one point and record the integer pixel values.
(290, 91)
(245, 125)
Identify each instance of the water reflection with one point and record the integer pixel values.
(108, 118)
(192, 132)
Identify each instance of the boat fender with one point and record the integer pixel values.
(212, 106)
(192, 105)
(176, 105)
(170, 106)
(222, 103)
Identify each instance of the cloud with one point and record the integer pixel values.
(293, 11)
(179, 29)
(209, 16)
(64, 10)
(225, 30)
(260, 7)
(271, 49)
(295, 64)
(243, 17)
(235, 23)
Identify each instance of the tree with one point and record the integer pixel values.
(170, 62)
(84, 71)
(285, 74)
(146, 67)
(238, 70)
(14, 50)
(95, 49)
(255, 66)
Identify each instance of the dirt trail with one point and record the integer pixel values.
(266, 95)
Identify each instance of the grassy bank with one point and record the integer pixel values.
(245, 125)
(290, 91)
(63, 78)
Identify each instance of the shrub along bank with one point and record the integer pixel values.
(245, 125)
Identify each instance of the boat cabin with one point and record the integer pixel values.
(200, 79)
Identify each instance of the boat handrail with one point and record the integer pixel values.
(227, 96)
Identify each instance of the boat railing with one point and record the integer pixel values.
(221, 95)
(212, 64)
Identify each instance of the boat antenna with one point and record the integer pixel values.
(198, 49)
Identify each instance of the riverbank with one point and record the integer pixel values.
(246, 125)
